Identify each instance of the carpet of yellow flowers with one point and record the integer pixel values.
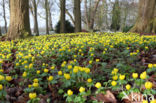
(78, 68)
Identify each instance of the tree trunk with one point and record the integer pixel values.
(19, 19)
(50, 18)
(146, 21)
(0, 31)
(35, 19)
(47, 19)
(4, 16)
(62, 21)
(77, 15)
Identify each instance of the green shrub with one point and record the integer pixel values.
(127, 28)
(68, 27)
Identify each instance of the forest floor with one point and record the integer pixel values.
(78, 68)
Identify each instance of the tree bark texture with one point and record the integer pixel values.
(47, 19)
(77, 15)
(19, 19)
(62, 21)
(35, 18)
(146, 21)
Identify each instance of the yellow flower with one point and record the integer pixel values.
(67, 76)
(128, 87)
(38, 71)
(69, 66)
(24, 74)
(32, 95)
(135, 75)
(114, 83)
(144, 101)
(30, 66)
(143, 75)
(8, 78)
(150, 65)
(89, 80)
(148, 85)
(59, 72)
(82, 89)
(87, 70)
(53, 67)
(1, 86)
(97, 60)
(115, 71)
(98, 85)
(35, 84)
(46, 70)
(76, 69)
(17, 64)
(26, 67)
(115, 77)
(1, 61)
(1, 70)
(50, 78)
(70, 92)
(29, 85)
(35, 80)
(90, 62)
(153, 101)
(122, 77)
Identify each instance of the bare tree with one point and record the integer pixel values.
(33, 9)
(19, 19)
(50, 15)
(90, 14)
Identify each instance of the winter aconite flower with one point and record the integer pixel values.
(98, 85)
(46, 70)
(67, 76)
(69, 66)
(1, 77)
(153, 101)
(82, 89)
(35, 84)
(8, 78)
(32, 95)
(122, 77)
(59, 73)
(35, 80)
(89, 80)
(115, 77)
(1, 86)
(143, 75)
(135, 75)
(50, 78)
(70, 92)
(38, 71)
(114, 83)
(144, 101)
(24, 74)
(128, 87)
(148, 85)
(150, 65)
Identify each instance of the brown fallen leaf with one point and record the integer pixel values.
(106, 98)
